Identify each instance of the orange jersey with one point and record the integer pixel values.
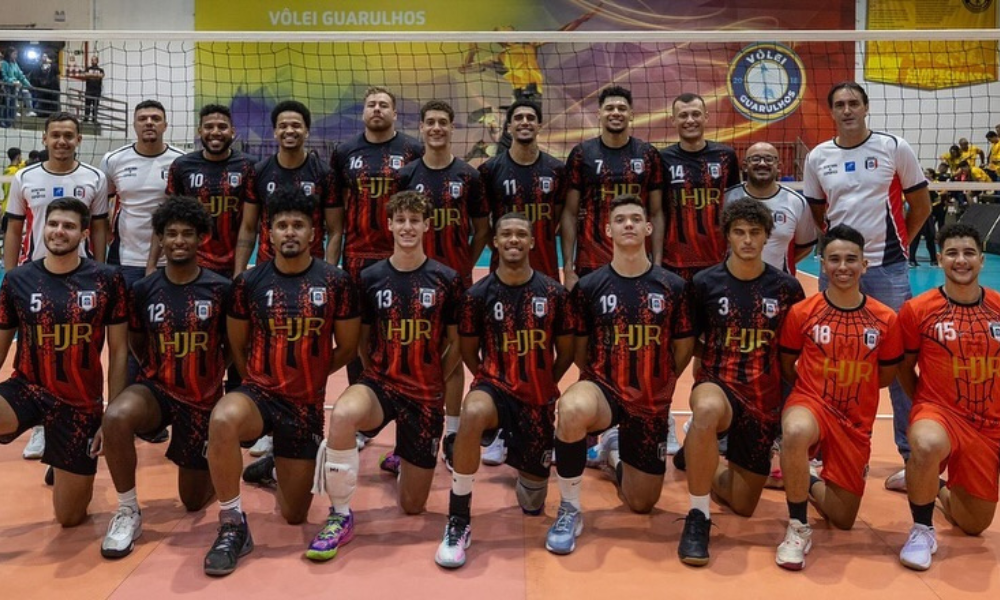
(840, 352)
(958, 355)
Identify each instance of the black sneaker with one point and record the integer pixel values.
(693, 548)
(260, 472)
(680, 463)
(157, 437)
(50, 476)
(234, 540)
(448, 447)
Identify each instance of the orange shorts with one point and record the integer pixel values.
(845, 450)
(974, 461)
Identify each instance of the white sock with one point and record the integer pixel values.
(451, 424)
(701, 503)
(461, 485)
(128, 499)
(234, 504)
(569, 490)
(341, 477)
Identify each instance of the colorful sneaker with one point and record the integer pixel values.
(36, 444)
(921, 545)
(389, 462)
(495, 453)
(339, 530)
(561, 538)
(261, 472)
(123, 530)
(234, 541)
(597, 455)
(263, 447)
(775, 480)
(896, 482)
(448, 450)
(693, 548)
(792, 551)
(457, 537)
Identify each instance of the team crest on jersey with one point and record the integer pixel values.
(87, 300)
(871, 338)
(396, 161)
(871, 163)
(203, 309)
(715, 170)
(656, 302)
(455, 189)
(546, 183)
(539, 306)
(317, 295)
(427, 297)
(235, 179)
(779, 218)
(58, 192)
(638, 166)
(308, 188)
(770, 307)
(79, 192)
(995, 331)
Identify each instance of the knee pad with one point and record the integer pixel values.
(531, 495)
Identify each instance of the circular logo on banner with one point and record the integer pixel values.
(766, 81)
(977, 6)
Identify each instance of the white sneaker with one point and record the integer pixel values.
(792, 551)
(896, 482)
(495, 453)
(264, 445)
(32, 114)
(361, 440)
(36, 444)
(922, 544)
(673, 446)
(123, 530)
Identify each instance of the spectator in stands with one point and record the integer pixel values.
(992, 164)
(968, 172)
(94, 76)
(971, 153)
(33, 157)
(952, 157)
(929, 230)
(46, 87)
(15, 82)
(16, 164)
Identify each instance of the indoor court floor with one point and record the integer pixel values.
(619, 555)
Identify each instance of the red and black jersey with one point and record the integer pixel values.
(222, 187)
(456, 193)
(314, 178)
(60, 321)
(368, 175)
(738, 322)
(694, 186)
(185, 327)
(536, 191)
(409, 313)
(600, 173)
(291, 326)
(517, 327)
(631, 323)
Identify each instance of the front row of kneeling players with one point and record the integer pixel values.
(635, 324)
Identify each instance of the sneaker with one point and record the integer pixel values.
(792, 552)
(261, 472)
(36, 444)
(162, 436)
(263, 446)
(234, 540)
(673, 446)
(50, 476)
(495, 453)
(680, 463)
(561, 538)
(448, 450)
(921, 545)
(457, 537)
(775, 480)
(693, 548)
(339, 530)
(896, 482)
(123, 530)
(361, 440)
(602, 451)
(389, 462)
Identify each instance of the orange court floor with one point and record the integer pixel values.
(619, 555)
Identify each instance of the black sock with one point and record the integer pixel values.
(923, 514)
(571, 458)
(798, 510)
(460, 506)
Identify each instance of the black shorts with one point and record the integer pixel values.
(528, 430)
(418, 426)
(189, 441)
(641, 437)
(750, 437)
(297, 428)
(69, 430)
